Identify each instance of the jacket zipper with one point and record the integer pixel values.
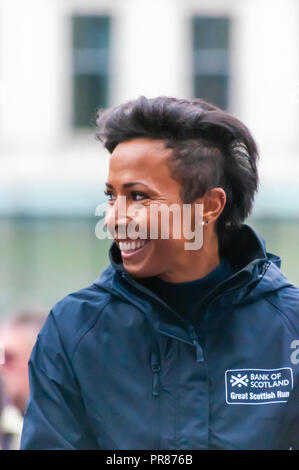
(156, 368)
(195, 340)
(190, 328)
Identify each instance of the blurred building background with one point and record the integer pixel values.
(62, 59)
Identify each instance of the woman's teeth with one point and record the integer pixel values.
(131, 246)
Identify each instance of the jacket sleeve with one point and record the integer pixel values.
(55, 416)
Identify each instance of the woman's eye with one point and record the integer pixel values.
(138, 196)
(109, 194)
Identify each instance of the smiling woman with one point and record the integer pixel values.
(142, 165)
(159, 352)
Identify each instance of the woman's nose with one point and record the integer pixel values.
(117, 216)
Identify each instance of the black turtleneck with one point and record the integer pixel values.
(182, 296)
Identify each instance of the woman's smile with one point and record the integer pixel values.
(132, 248)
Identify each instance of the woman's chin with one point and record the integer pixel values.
(147, 262)
(145, 268)
(140, 270)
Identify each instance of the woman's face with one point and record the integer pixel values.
(139, 172)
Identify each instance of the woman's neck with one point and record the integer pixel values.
(191, 265)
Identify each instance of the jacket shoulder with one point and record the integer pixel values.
(77, 312)
(286, 303)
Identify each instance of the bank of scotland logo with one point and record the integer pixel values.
(239, 380)
(258, 386)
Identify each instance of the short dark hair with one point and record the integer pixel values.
(211, 148)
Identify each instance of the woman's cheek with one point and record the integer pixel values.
(135, 215)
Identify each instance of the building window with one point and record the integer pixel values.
(90, 67)
(211, 59)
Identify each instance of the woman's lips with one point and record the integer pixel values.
(131, 248)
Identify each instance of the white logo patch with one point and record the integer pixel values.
(258, 386)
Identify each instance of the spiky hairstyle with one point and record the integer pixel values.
(211, 148)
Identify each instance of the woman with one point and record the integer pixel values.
(170, 346)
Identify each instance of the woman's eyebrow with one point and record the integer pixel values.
(128, 185)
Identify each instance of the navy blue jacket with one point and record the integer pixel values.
(114, 367)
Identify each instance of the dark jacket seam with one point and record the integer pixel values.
(282, 314)
(90, 328)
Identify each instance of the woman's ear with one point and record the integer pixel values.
(213, 202)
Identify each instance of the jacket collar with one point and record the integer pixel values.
(256, 273)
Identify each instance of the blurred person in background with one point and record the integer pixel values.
(1, 408)
(18, 332)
